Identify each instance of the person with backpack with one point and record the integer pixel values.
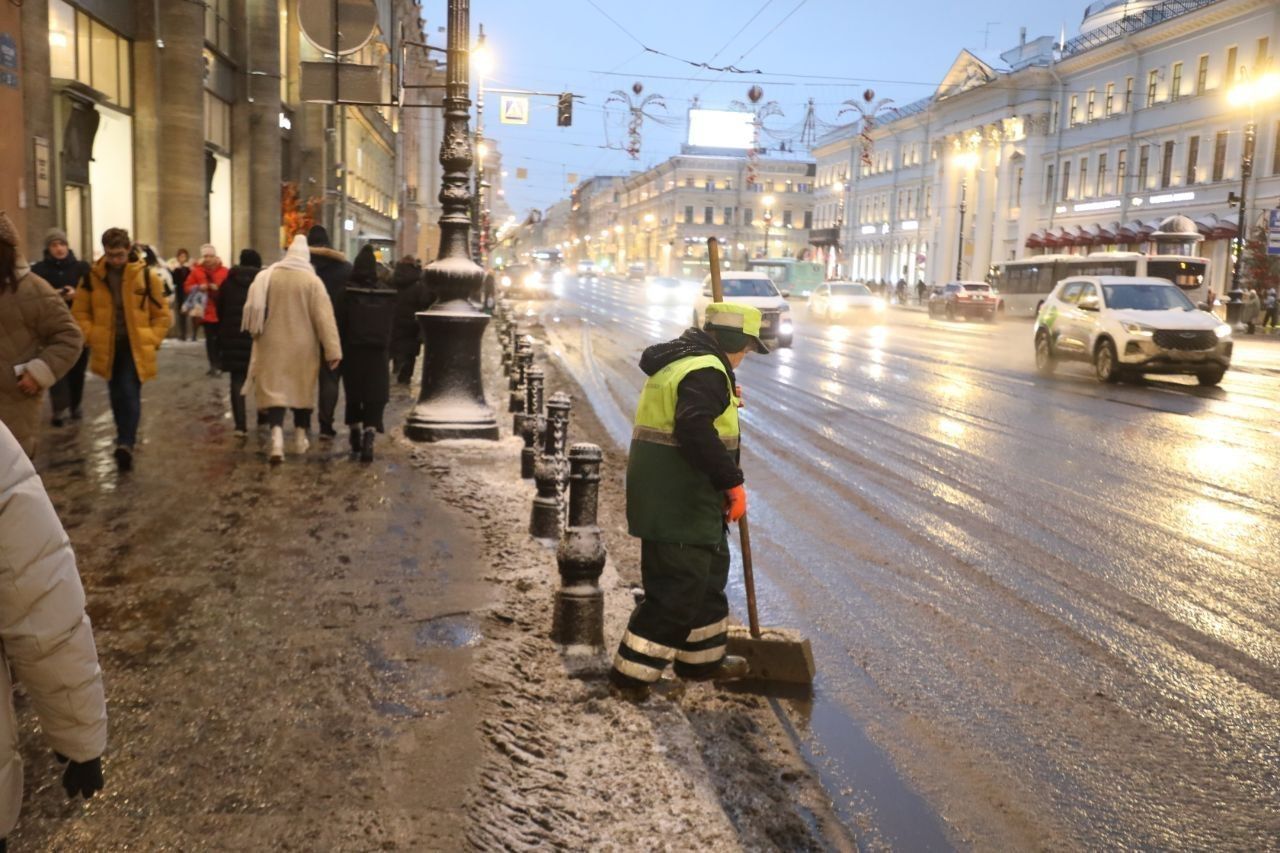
(124, 316)
(64, 271)
(366, 313)
(237, 344)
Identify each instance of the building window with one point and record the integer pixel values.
(1175, 85)
(1219, 155)
(786, 219)
(1202, 75)
(688, 214)
(1109, 100)
(1083, 189)
(1153, 82)
(1128, 94)
(688, 182)
(82, 49)
(1144, 167)
(708, 216)
(1102, 174)
(808, 219)
(217, 121)
(728, 216)
(928, 201)
(1090, 97)
(1233, 67)
(1122, 165)
(1066, 180)
(217, 25)
(1017, 187)
(1166, 165)
(1264, 50)
(1053, 121)
(1193, 159)
(1072, 111)
(1275, 154)
(1049, 184)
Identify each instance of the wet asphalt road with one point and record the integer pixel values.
(1044, 610)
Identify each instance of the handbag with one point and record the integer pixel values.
(195, 304)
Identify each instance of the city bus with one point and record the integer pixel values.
(798, 277)
(1023, 284)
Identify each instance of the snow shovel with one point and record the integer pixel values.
(776, 655)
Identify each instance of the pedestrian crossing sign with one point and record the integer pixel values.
(515, 109)
(1273, 232)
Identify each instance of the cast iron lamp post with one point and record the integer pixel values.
(451, 403)
(1248, 93)
(965, 161)
(768, 220)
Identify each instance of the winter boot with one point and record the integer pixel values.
(729, 668)
(276, 455)
(356, 440)
(300, 441)
(366, 447)
(124, 458)
(626, 688)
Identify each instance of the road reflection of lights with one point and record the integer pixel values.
(953, 390)
(784, 371)
(951, 429)
(785, 354)
(878, 335)
(876, 355)
(833, 360)
(838, 334)
(1213, 459)
(874, 371)
(831, 387)
(1212, 520)
(555, 319)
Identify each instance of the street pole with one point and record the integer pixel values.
(477, 218)
(1246, 171)
(451, 403)
(960, 244)
(768, 219)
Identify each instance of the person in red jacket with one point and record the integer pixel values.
(208, 276)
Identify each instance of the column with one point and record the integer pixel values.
(256, 164)
(983, 208)
(183, 218)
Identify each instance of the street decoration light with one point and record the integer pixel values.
(869, 111)
(451, 403)
(1249, 92)
(964, 161)
(759, 112)
(636, 107)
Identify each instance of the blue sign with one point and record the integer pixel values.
(1273, 232)
(8, 52)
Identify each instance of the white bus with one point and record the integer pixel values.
(1023, 284)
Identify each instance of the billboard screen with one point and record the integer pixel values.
(719, 129)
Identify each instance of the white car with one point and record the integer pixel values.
(757, 290)
(837, 301)
(1129, 326)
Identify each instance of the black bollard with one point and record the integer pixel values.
(524, 360)
(549, 472)
(531, 402)
(578, 619)
(508, 346)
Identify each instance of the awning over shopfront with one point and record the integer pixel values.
(824, 236)
(1036, 239)
(1215, 228)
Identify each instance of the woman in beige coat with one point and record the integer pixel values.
(46, 642)
(39, 339)
(289, 314)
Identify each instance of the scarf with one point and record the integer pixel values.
(298, 259)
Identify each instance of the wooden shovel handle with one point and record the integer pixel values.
(713, 258)
(748, 579)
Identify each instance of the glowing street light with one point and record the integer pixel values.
(1249, 93)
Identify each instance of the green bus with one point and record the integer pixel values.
(798, 278)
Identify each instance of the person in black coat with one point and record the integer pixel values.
(334, 270)
(406, 336)
(365, 314)
(237, 345)
(64, 271)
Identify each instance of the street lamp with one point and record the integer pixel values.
(451, 403)
(768, 220)
(648, 242)
(1248, 93)
(482, 61)
(839, 188)
(964, 161)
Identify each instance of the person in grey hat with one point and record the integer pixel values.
(64, 271)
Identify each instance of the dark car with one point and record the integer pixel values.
(964, 299)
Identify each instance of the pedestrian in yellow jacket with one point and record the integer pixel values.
(124, 315)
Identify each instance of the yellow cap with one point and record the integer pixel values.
(736, 317)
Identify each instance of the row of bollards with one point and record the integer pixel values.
(543, 426)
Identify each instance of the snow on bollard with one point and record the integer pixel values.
(578, 619)
(509, 337)
(523, 361)
(549, 472)
(531, 423)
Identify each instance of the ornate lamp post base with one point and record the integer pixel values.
(452, 403)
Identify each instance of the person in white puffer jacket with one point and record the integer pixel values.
(46, 642)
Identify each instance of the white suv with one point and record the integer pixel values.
(1126, 325)
(757, 290)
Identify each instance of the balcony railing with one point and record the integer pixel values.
(1157, 14)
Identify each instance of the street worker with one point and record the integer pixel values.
(121, 309)
(683, 488)
(46, 642)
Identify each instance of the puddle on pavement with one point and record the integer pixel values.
(453, 632)
(404, 689)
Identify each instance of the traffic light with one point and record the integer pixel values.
(564, 110)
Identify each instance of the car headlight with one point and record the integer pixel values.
(1223, 330)
(506, 281)
(1139, 329)
(786, 328)
(880, 305)
(533, 281)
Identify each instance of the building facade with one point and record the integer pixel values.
(1075, 147)
(184, 122)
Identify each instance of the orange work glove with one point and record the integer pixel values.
(735, 503)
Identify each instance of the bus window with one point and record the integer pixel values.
(1187, 274)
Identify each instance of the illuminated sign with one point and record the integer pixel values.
(868, 229)
(720, 129)
(1169, 198)
(909, 225)
(1085, 207)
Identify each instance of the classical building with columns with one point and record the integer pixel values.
(183, 122)
(1075, 146)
